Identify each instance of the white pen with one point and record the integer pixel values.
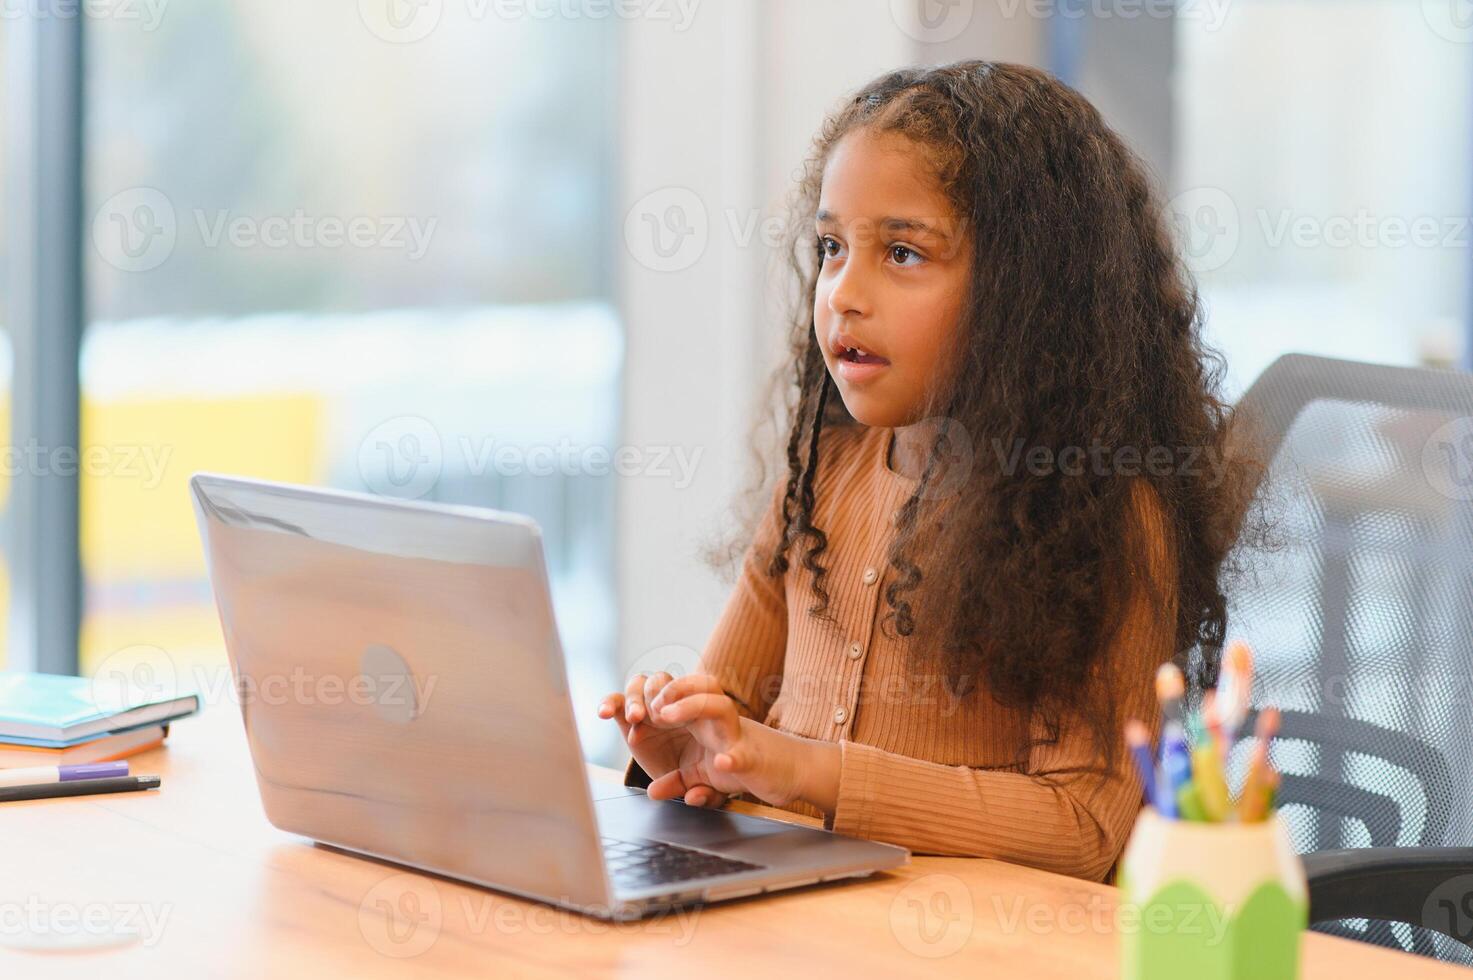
(61, 774)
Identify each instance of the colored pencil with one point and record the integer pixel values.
(1253, 801)
(1138, 738)
(1235, 691)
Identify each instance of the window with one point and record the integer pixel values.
(1322, 169)
(6, 360)
(324, 250)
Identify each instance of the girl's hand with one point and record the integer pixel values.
(727, 751)
(660, 750)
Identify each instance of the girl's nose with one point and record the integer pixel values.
(848, 295)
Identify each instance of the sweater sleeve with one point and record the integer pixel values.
(1065, 812)
(746, 650)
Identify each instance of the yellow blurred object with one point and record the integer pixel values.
(185, 635)
(141, 553)
(137, 522)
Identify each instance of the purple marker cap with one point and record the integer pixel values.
(94, 770)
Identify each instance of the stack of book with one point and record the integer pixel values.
(57, 720)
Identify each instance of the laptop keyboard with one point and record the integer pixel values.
(640, 864)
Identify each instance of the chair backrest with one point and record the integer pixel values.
(1361, 614)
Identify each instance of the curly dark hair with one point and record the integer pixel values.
(1082, 328)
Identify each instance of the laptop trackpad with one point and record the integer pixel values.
(634, 817)
(605, 790)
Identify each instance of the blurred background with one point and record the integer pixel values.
(520, 254)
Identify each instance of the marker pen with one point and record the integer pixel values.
(61, 774)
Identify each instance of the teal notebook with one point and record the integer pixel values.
(57, 710)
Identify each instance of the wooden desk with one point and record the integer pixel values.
(214, 890)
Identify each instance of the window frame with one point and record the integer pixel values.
(44, 315)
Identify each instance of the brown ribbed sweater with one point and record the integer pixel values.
(921, 767)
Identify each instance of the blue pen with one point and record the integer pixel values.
(1176, 761)
(1176, 764)
(1139, 741)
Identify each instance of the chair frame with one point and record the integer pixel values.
(1384, 883)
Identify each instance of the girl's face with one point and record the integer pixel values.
(895, 264)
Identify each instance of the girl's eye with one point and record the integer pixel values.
(904, 255)
(901, 252)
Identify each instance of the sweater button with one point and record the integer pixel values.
(870, 575)
(839, 715)
(855, 650)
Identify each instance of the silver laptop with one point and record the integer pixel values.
(405, 696)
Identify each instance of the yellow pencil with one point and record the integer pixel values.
(1207, 774)
(1259, 804)
(1252, 802)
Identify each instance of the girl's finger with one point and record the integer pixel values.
(652, 685)
(667, 787)
(698, 707)
(634, 710)
(738, 758)
(685, 686)
(705, 796)
(613, 707)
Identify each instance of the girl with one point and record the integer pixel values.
(1008, 496)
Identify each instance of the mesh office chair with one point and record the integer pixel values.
(1361, 620)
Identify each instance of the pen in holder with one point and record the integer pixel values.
(1212, 887)
(1210, 901)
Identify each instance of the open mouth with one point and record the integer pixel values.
(855, 355)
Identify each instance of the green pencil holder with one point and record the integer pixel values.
(1210, 901)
